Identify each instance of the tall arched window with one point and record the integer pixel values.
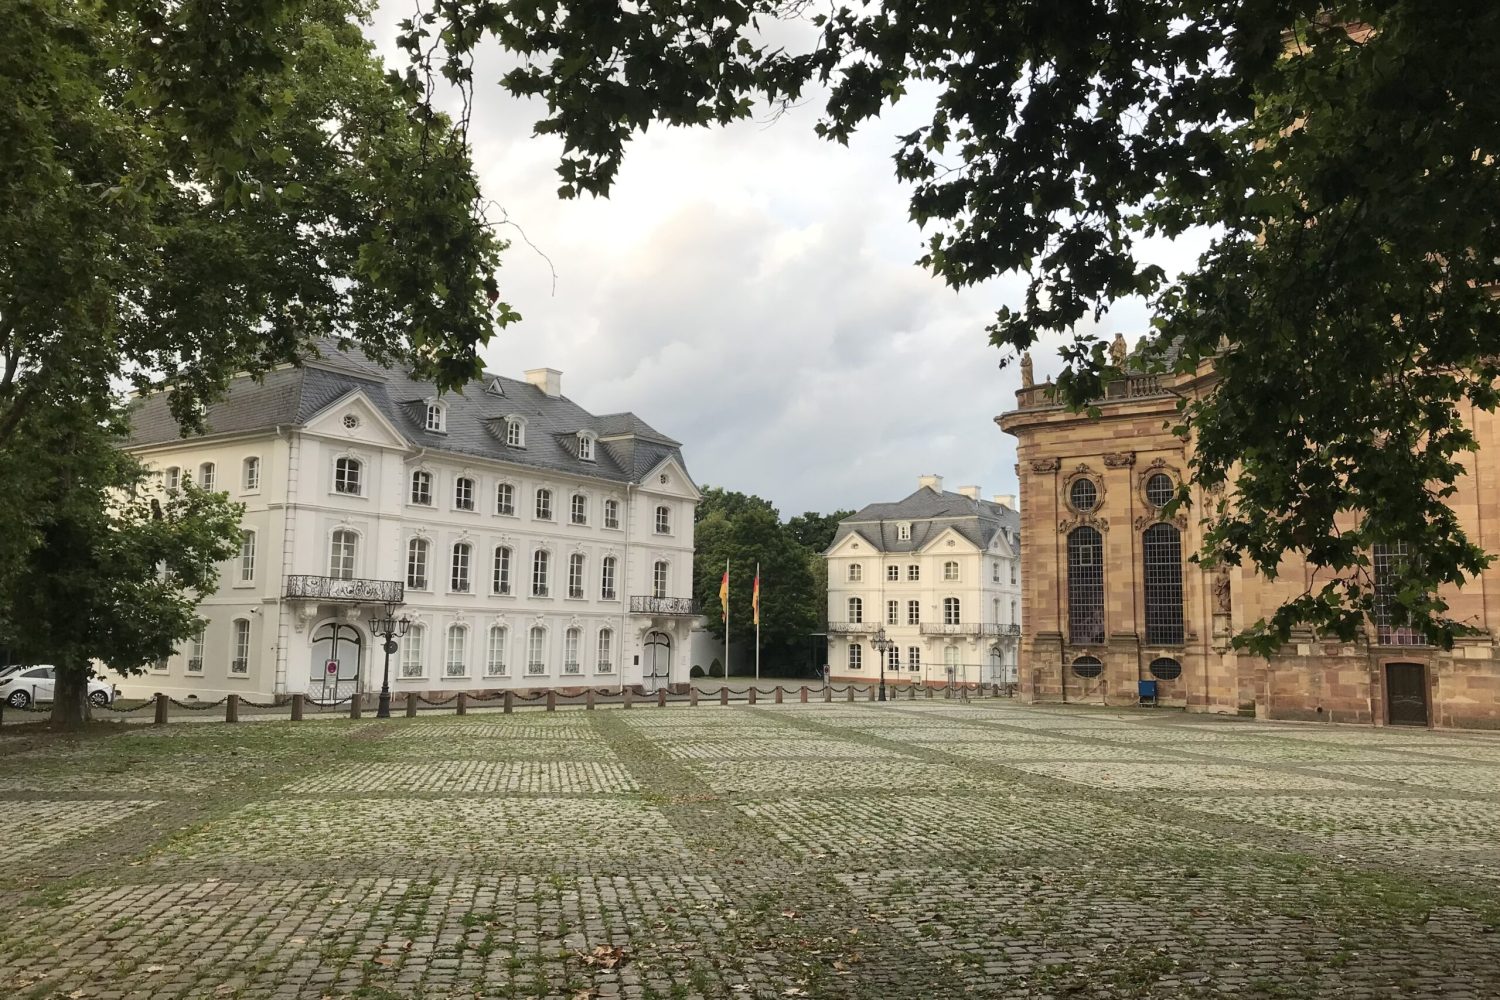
(416, 563)
(544, 505)
(421, 487)
(607, 578)
(436, 418)
(659, 579)
(341, 548)
(856, 656)
(856, 609)
(1085, 586)
(515, 432)
(952, 611)
(578, 509)
(500, 575)
(463, 493)
(572, 639)
(494, 661)
(206, 475)
(541, 569)
(536, 650)
(663, 520)
(575, 575)
(251, 479)
(457, 662)
(1161, 548)
(247, 557)
(606, 651)
(347, 474)
(505, 499)
(411, 651)
(1389, 561)
(459, 580)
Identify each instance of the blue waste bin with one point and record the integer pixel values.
(1146, 691)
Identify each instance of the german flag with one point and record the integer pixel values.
(755, 596)
(724, 593)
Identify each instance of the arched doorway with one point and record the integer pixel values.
(656, 661)
(343, 646)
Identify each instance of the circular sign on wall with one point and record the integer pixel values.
(331, 667)
(390, 646)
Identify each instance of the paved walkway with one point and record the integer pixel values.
(913, 849)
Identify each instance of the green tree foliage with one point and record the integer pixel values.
(815, 531)
(114, 566)
(1342, 154)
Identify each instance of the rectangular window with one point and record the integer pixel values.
(459, 581)
(611, 513)
(174, 478)
(586, 448)
(494, 663)
(856, 656)
(663, 521)
(856, 572)
(914, 572)
(893, 612)
(247, 557)
(252, 474)
(571, 664)
(659, 580)
(239, 654)
(500, 582)
(411, 652)
(195, 654)
(544, 505)
(341, 555)
(540, 567)
(950, 571)
(913, 612)
(536, 652)
(893, 573)
(457, 661)
(206, 476)
(578, 511)
(575, 576)
(893, 658)
(914, 658)
(416, 564)
(607, 579)
(606, 651)
(995, 572)
(421, 488)
(1013, 572)
(505, 499)
(463, 493)
(346, 476)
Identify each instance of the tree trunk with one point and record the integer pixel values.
(70, 699)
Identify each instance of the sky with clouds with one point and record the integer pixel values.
(751, 291)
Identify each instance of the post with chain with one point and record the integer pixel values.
(588, 699)
(625, 694)
(751, 698)
(724, 695)
(911, 692)
(552, 699)
(299, 705)
(661, 697)
(778, 694)
(827, 693)
(849, 693)
(693, 696)
(232, 708)
(355, 708)
(510, 702)
(161, 709)
(463, 703)
(411, 704)
(802, 694)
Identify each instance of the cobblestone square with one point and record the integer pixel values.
(913, 849)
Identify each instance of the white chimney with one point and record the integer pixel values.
(1005, 500)
(549, 380)
(934, 483)
(972, 492)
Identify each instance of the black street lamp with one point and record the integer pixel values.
(392, 628)
(882, 646)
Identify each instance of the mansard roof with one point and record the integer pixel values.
(929, 513)
(627, 449)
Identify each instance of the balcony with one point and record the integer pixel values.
(1138, 386)
(852, 628)
(329, 588)
(684, 606)
(971, 629)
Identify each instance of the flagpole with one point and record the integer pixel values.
(757, 623)
(726, 622)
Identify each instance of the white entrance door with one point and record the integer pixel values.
(337, 661)
(656, 661)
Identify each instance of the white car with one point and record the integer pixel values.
(22, 686)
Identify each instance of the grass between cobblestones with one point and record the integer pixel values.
(911, 849)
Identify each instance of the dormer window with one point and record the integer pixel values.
(586, 447)
(496, 387)
(437, 418)
(515, 432)
(903, 532)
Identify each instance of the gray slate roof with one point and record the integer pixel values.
(930, 513)
(628, 447)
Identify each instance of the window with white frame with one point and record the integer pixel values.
(995, 571)
(893, 658)
(950, 611)
(247, 557)
(663, 520)
(856, 572)
(536, 650)
(421, 488)
(437, 418)
(544, 505)
(572, 638)
(417, 553)
(458, 580)
(500, 571)
(913, 612)
(659, 573)
(914, 572)
(578, 509)
(515, 432)
(856, 609)
(250, 477)
(347, 473)
(893, 612)
(411, 651)
(494, 660)
(206, 475)
(893, 573)
(341, 551)
(1013, 572)
(195, 653)
(456, 664)
(463, 493)
(607, 578)
(1015, 618)
(541, 567)
(914, 658)
(174, 477)
(856, 655)
(611, 513)
(505, 499)
(950, 571)
(575, 575)
(239, 650)
(606, 651)
(586, 447)
(903, 532)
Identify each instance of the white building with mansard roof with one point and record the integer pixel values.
(530, 543)
(934, 577)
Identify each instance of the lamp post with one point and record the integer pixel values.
(392, 628)
(882, 646)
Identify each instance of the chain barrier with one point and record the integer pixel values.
(436, 704)
(197, 706)
(262, 704)
(330, 704)
(114, 707)
(530, 697)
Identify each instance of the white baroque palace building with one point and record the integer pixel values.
(940, 575)
(530, 543)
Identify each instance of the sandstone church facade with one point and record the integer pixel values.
(1110, 598)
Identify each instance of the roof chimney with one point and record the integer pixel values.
(933, 483)
(549, 380)
(1005, 500)
(972, 492)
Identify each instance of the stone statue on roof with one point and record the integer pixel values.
(1028, 379)
(1118, 351)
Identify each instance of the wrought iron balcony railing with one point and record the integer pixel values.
(969, 628)
(852, 628)
(663, 606)
(329, 588)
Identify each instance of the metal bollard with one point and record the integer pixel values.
(693, 697)
(724, 695)
(551, 699)
(510, 701)
(232, 708)
(411, 704)
(588, 699)
(752, 695)
(161, 709)
(661, 697)
(804, 694)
